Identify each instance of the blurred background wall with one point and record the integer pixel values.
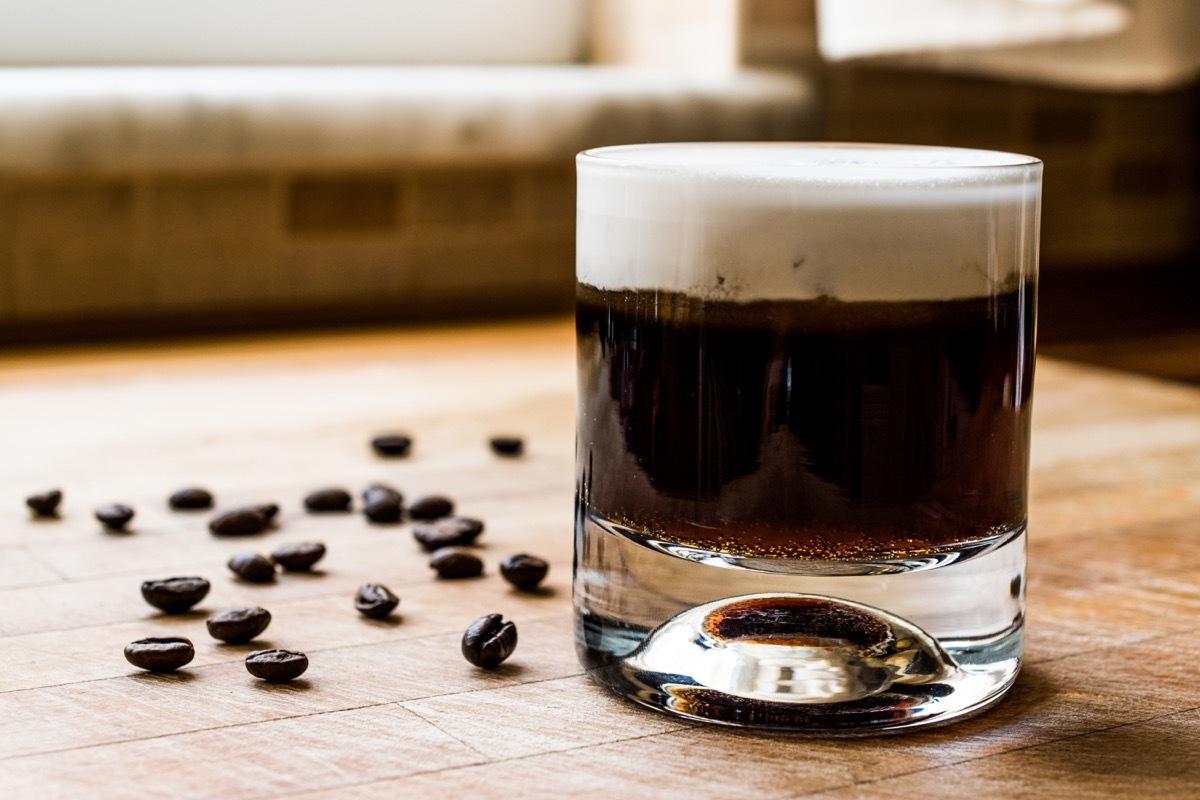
(154, 192)
(144, 196)
(1121, 212)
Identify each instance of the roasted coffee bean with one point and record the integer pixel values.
(276, 666)
(252, 567)
(456, 562)
(175, 595)
(269, 511)
(431, 507)
(165, 654)
(45, 504)
(191, 499)
(447, 532)
(375, 600)
(382, 504)
(508, 446)
(489, 641)
(238, 624)
(524, 571)
(381, 491)
(298, 557)
(114, 517)
(239, 522)
(392, 445)
(327, 500)
(383, 510)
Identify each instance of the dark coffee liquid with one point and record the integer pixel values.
(805, 429)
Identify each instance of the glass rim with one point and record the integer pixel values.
(768, 160)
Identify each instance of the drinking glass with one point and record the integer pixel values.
(805, 375)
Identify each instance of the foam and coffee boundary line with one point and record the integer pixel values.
(742, 222)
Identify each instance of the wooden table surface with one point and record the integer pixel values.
(1108, 703)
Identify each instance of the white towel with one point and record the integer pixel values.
(1089, 44)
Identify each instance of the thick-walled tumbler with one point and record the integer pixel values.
(805, 376)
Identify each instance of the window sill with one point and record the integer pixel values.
(122, 119)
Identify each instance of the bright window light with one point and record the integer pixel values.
(49, 32)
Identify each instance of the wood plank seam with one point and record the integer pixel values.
(327, 712)
(960, 762)
(458, 739)
(1124, 644)
(413, 639)
(189, 565)
(151, 620)
(397, 703)
(816, 793)
(493, 761)
(119, 742)
(37, 558)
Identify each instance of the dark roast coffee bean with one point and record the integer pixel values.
(489, 641)
(383, 510)
(447, 532)
(375, 600)
(114, 517)
(238, 624)
(456, 562)
(298, 557)
(381, 491)
(175, 595)
(276, 666)
(191, 499)
(392, 445)
(252, 567)
(45, 504)
(269, 511)
(382, 504)
(239, 522)
(523, 571)
(165, 654)
(431, 507)
(509, 446)
(327, 500)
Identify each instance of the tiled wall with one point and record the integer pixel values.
(395, 243)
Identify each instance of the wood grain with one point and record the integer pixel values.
(1108, 703)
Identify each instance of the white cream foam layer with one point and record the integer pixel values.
(795, 221)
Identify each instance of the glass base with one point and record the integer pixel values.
(804, 663)
(799, 652)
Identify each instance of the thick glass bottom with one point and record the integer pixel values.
(799, 652)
